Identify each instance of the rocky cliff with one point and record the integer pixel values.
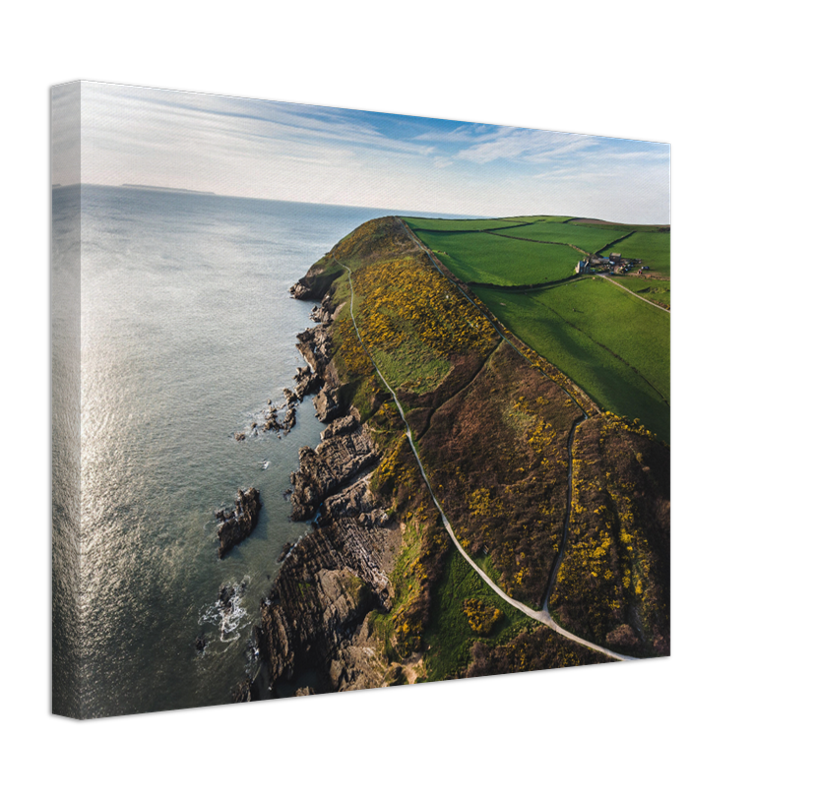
(316, 630)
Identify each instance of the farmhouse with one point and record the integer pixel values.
(614, 263)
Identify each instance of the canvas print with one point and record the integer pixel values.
(346, 400)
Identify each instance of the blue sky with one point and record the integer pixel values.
(288, 151)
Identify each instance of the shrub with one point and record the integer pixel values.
(482, 617)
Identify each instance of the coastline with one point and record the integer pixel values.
(315, 633)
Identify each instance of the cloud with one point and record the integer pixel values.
(464, 132)
(221, 144)
(527, 145)
(291, 151)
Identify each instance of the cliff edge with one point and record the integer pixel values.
(315, 633)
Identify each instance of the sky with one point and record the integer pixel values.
(317, 154)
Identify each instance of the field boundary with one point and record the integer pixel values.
(605, 347)
(538, 241)
(616, 241)
(524, 287)
(474, 230)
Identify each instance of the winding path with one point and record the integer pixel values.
(541, 616)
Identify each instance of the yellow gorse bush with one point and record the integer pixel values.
(482, 617)
(403, 297)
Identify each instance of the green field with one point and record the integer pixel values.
(591, 238)
(436, 224)
(421, 224)
(586, 237)
(412, 366)
(613, 345)
(616, 347)
(653, 248)
(653, 290)
(539, 218)
(486, 258)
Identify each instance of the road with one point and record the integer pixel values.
(541, 616)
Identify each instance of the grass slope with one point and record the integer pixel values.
(655, 291)
(422, 224)
(653, 248)
(485, 258)
(611, 344)
(589, 238)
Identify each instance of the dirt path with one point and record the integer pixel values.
(666, 310)
(541, 616)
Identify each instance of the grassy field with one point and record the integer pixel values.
(611, 344)
(590, 238)
(539, 218)
(653, 248)
(600, 224)
(420, 223)
(586, 237)
(485, 258)
(428, 224)
(655, 291)
(614, 346)
(412, 366)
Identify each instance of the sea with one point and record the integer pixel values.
(188, 332)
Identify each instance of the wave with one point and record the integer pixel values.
(227, 613)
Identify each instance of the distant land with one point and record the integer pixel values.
(162, 188)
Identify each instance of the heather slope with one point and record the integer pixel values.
(491, 422)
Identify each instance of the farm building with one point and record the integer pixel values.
(582, 268)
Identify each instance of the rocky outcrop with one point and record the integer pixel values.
(315, 345)
(238, 523)
(316, 617)
(302, 292)
(326, 405)
(340, 427)
(314, 284)
(316, 620)
(323, 313)
(332, 465)
(305, 382)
